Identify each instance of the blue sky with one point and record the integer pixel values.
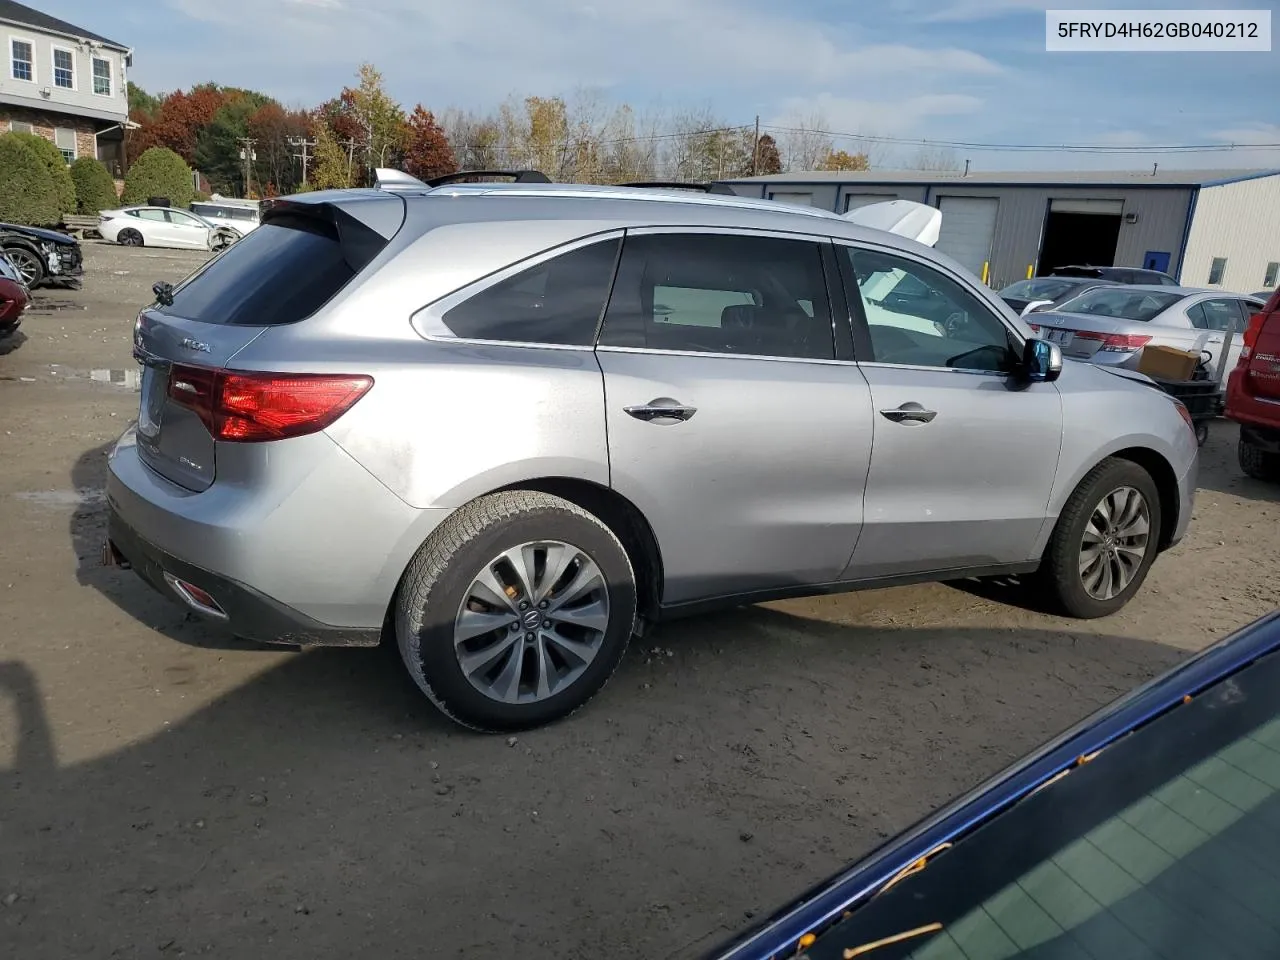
(971, 70)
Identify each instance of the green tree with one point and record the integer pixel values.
(52, 158)
(218, 146)
(95, 190)
(767, 158)
(159, 173)
(27, 191)
(329, 168)
(142, 102)
(381, 120)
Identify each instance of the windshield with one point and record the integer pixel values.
(1041, 288)
(1164, 846)
(1121, 302)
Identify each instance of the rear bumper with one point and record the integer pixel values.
(296, 543)
(245, 611)
(1262, 414)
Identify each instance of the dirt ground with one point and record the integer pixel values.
(166, 791)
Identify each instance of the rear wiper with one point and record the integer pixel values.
(163, 292)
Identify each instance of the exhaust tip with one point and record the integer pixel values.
(197, 599)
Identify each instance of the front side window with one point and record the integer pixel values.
(1120, 302)
(23, 61)
(64, 71)
(101, 77)
(557, 301)
(720, 293)
(918, 316)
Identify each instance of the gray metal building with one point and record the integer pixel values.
(1218, 228)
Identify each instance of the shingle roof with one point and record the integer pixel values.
(1093, 178)
(21, 13)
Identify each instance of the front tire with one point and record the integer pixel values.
(28, 264)
(1105, 541)
(516, 611)
(1257, 463)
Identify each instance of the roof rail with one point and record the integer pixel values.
(718, 188)
(520, 176)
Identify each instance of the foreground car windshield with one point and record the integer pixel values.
(1041, 288)
(1123, 304)
(1165, 845)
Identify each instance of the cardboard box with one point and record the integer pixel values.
(1167, 363)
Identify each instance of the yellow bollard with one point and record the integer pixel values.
(1031, 268)
(986, 271)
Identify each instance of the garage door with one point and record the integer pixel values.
(853, 201)
(789, 196)
(968, 229)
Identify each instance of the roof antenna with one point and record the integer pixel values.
(1154, 168)
(966, 168)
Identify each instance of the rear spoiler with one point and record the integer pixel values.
(906, 218)
(389, 179)
(716, 188)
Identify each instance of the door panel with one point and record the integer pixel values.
(761, 487)
(963, 458)
(970, 487)
(757, 483)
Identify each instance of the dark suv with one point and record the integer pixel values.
(1117, 274)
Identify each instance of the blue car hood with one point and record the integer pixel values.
(39, 232)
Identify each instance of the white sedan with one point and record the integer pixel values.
(162, 227)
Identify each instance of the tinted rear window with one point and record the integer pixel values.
(280, 273)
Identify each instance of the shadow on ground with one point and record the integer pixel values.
(321, 809)
(11, 343)
(1220, 469)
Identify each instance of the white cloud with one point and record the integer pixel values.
(884, 118)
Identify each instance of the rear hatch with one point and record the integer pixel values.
(1264, 353)
(304, 253)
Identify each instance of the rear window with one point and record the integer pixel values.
(1122, 303)
(1042, 288)
(282, 272)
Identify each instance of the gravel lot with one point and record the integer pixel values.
(165, 790)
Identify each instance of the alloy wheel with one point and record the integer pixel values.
(1114, 543)
(27, 264)
(531, 622)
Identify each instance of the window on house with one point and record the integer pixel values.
(20, 126)
(64, 69)
(23, 60)
(102, 77)
(1217, 269)
(65, 138)
(1273, 268)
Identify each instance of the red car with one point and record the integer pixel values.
(1253, 393)
(14, 298)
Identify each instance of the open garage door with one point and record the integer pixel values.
(1080, 231)
(968, 229)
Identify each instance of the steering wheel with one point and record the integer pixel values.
(955, 322)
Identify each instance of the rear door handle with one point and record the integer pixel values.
(663, 408)
(909, 412)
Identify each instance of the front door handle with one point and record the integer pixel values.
(909, 412)
(663, 408)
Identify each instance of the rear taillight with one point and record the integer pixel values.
(1252, 330)
(1116, 342)
(252, 407)
(1035, 328)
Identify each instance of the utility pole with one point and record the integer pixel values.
(303, 144)
(248, 155)
(755, 149)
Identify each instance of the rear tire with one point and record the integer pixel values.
(129, 237)
(487, 657)
(1257, 463)
(1105, 541)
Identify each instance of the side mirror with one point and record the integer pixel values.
(1041, 361)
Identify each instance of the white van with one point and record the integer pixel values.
(238, 215)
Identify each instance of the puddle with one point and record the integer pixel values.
(130, 379)
(63, 498)
(41, 305)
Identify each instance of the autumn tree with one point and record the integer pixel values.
(178, 121)
(767, 159)
(218, 143)
(806, 142)
(843, 160)
(427, 152)
(273, 128)
(330, 166)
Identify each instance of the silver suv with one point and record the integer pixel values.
(510, 425)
